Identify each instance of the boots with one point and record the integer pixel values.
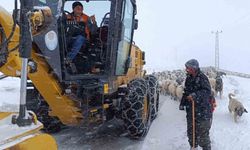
(206, 147)
(203, 148)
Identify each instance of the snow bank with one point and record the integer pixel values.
(9, 93)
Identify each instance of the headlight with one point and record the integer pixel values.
(51, 40)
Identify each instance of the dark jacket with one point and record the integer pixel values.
(199, 88)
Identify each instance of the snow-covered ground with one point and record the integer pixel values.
(9, 94)
(167, 132)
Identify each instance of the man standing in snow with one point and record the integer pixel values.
(198, 90)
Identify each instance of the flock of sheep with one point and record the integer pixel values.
(172, 82)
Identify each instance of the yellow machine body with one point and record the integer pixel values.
(61, 106)
(13, 137)
(68, 110)
(48, 86)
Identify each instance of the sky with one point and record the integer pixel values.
(172, 32)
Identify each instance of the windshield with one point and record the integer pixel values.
(97, 8)
(126, 36)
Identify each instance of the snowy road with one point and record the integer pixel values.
(109, 137)
(167, 132)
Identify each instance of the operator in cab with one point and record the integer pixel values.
(80, 33)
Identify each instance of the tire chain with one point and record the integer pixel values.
(133, 108)
(154, 94)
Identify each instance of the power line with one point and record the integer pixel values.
(217, 49)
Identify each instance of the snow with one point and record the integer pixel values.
(9, 94)
(10, 134)
(168, 131)
(234, 135)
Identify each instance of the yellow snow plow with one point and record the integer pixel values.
(13, 137)
(105, 80)
(19, 130)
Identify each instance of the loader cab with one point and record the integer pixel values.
(105, 55)
(91, 58)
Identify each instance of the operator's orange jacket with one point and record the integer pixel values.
(83, 17)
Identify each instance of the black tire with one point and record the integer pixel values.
(153, 91)
(39, 106)
(136, 109)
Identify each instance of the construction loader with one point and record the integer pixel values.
(105, 81)
(20, 130)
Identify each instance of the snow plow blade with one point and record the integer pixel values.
(23, 138)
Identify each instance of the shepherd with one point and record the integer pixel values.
(196, 100)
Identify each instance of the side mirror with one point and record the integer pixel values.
(143, 58)
(136, 24)
(143, 55)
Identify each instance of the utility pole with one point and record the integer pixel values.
(217, 49)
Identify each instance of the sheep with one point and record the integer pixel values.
(165, 86)
(212, 74)
(161, 87)
(179, 92)
(212, 82)
(172, 88)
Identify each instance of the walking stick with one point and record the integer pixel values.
(193, 119)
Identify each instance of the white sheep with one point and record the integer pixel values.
(212, 82)
(166, 86)
(172, 88)
(179, 92)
